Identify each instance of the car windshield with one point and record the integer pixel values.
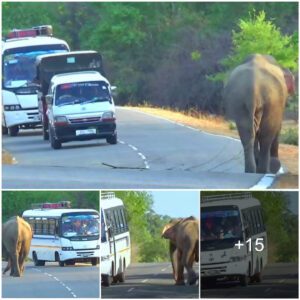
(19, 67)
(82, 92)
(80, 225)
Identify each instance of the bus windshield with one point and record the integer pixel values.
(82, 92)
(80, 225)
(221, 227)
(19, 67)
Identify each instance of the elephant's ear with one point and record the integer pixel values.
(169, 232)
(290, 81)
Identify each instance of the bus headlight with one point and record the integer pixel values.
(67, 248)
(108, 116)
(106, 257)
(237, 258)
(12, 107)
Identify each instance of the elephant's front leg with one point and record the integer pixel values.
(179, 273)
(264, 155)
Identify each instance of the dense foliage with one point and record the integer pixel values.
(164, 53)
(145, 227)
(15, 203)
(281, 225)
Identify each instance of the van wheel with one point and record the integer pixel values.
(61, 263)
(105, 280)
(55, 144)
(112, 139)
(13, 131)
(94, 261)
(36, 261)
(4, 130)
(70, 262)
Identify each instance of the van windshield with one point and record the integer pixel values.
(19, 67)
(80, 225)
(221, 227)
(82, 93)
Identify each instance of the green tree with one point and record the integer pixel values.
(258, 35)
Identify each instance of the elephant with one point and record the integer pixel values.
(183, 234)
(16, 241)
(255, 96)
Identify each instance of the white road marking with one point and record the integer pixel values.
(164, 269)
(130, 290)
(143, 157)
(58, 280)
(282, 281)
(145, 280)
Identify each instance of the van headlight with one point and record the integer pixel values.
(108, 116)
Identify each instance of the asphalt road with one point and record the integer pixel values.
(52, 281)
(151, 153)
(279, 281)
(150, 280)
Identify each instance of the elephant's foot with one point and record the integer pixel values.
(274, 165)
(16, 274)
(193, 280)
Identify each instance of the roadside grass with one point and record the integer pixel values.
(7, 158)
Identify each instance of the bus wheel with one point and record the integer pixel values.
(4, 130)
(244, 280)
(37, 263)
(13, 130)
(70, 262)
(61, 263)
(105, 280)
(94, 261)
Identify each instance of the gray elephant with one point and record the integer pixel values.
(16, 240)
(255, 97)
(184, 247)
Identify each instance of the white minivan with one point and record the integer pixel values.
(79, 99)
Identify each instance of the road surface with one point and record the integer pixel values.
(150, 280)
(279, 281)
(151, 153)
(52, 281)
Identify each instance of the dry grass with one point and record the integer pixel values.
(7, 158)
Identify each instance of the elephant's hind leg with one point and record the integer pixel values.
(179, 276)
(8, 266)
(15, 265)
(188, 258)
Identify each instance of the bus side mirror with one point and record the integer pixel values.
(49, 99)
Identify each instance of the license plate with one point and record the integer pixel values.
(86, 131)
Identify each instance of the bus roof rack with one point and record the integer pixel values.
(234, 196)
(107, 195)
(47, 205)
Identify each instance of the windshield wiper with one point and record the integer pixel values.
(104, 99)
(67, 103)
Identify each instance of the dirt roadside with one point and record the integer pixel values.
(217, 125)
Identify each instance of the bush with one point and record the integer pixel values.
(289, 136)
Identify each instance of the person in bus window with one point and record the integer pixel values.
(207, 231)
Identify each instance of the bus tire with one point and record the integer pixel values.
(4, 130)
(45, 133)
(244, 280)
(70, 262)
(94, 261)
(105, 281)
(13, 130)
(121, 277)
(36, 261)
(112, 139)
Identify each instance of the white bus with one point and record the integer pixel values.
(233, 238)
(63, 235)
(115, 240)
(19, 90)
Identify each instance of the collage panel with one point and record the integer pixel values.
(150, 244)
(50, 244)
(249, 244)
